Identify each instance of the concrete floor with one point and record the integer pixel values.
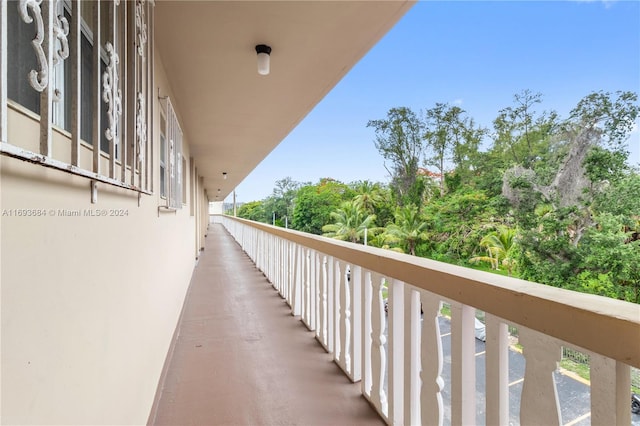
(240, 358)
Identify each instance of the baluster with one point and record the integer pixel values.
(278, 266)
(463, 364)
(322, 322)
(286, 271)
(395, 331)
(265, 255)
(303, 280)
(345, 332)
(314, 289)
(412, 381)
(539, 400)
(497, 371)
(431, 361)
(284, 276)
(337, 284)
(355, 342)
(271, 254)
(255, 246)
(263, 252)
(610, 384)
(306, 304)
(290, 272)
(269, 258)
(378, 355)
(248, 241)
(256, 256)
(282, 264)
(296, 281)
(367, 333)
(330, 302)
(256, 259)
(273, 261)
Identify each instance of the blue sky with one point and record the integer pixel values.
(475, 54)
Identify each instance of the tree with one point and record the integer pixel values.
(368, 195)
(501, 248)
(609, 259)
(399, 141)
(457, 223)
(452, 139)
(409, 228)
(520, 132)
(350, 223)
(253, 210)
(314, 204)
(281, 201)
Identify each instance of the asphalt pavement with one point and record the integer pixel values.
(573, 394)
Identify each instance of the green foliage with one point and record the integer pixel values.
(350, 222)
(253, 210)
(451, 137)
(522, 134)
(399, 141)
(281, 201)
(502, 210)
(314, 204)
(603, 165)
(408, 229)
(610, 259)
(621, 197)
(612, 115)
(501, 246)
(457, 222)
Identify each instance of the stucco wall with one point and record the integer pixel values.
(88, 304)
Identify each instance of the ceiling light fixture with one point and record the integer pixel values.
(224, 175)
(264, 55)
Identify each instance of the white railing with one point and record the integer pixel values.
(337, 290)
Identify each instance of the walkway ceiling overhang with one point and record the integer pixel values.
(231, 116)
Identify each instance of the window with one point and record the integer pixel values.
(34, 75)
(171, 160)
(163, 156)
(183, 171)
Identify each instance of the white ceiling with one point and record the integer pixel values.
(231, 116)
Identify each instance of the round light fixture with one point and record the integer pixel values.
(264, 55)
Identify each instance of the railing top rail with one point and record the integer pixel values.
(606, 326)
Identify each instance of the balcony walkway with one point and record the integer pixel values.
(241, 359)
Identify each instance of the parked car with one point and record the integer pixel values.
(481, 333)
(635, 403)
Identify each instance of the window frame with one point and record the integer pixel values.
(126, 126)
(171, 167)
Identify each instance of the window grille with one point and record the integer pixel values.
(171, 167)
(84, 68)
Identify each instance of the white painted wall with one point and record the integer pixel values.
(88, 304)
(216, 207)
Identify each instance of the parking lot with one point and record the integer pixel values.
(573, 393)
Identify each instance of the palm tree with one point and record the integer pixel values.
(501, 248)
(350, 223)
(369, 196)
(409, 228)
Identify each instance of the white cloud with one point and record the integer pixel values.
(457, 102)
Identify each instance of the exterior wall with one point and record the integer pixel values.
(216, 207)
(89, 304)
